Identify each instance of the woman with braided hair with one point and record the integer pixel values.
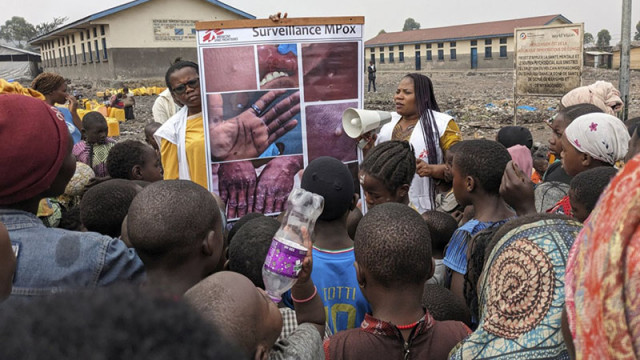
(54, 89)
(431, 133)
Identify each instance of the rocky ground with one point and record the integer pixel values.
(482, 102)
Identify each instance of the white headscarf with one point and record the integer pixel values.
(600, 135)
(601, 94)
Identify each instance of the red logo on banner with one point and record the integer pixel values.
(210, 35)
(577, 31)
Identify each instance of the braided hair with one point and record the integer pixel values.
(47, 82)
(392, 162)
(427, 104)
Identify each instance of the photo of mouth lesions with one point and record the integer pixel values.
(254, 124)
(229, 68)
(278, 66)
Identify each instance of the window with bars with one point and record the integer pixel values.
(104, 48)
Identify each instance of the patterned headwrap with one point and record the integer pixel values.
(80, 179)
(601, 94)
(522, 294)
(600, 135)
(34, 144)
(603, 274)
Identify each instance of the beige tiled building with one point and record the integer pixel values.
(136, 40)
(471, 46)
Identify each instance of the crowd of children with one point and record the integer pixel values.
(516, 256)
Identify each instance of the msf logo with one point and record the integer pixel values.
(211, 35)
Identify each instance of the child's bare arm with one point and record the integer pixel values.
(307, 303)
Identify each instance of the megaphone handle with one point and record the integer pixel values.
(362, 143)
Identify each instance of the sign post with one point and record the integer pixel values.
(548, 61)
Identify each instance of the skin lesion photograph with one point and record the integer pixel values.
(261, 185)
(278, 66)
(229, 68)
(330, 71)
(325, 136)
(254, 124)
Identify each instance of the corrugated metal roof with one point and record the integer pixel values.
(15, 51)
(462, 32)
(125, 6)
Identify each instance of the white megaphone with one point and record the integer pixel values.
(356, 122)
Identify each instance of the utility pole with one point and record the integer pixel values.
(624, 57)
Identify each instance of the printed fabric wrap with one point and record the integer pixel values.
(521, 294)
(603, 274)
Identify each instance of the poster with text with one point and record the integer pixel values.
(548, 59)
(273, 98)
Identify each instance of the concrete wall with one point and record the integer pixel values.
(141, 63)
(89, 70)
(133, 28)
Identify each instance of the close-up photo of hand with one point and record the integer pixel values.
(250, 133)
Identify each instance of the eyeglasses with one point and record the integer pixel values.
(183, 87)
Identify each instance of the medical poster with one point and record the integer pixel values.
(273, 97)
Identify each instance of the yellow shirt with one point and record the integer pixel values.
(451, 136)
(196, 153)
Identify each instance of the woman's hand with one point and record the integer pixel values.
(517, 190)
(369, 142)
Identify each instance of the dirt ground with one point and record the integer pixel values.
(481, 102)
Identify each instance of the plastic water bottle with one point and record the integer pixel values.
(287, 250)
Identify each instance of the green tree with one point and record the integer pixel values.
(588, 38)
(603, 38)
(382, 32)
(410, 24)
(637, 35)
(17, 30)
(47, 27)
